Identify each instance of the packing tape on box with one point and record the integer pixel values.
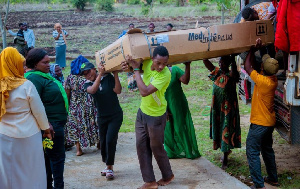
(209, 39)
(122, 50)
(149, 46)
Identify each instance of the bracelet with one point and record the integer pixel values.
(136, 69)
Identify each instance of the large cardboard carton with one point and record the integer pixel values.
(188, 45)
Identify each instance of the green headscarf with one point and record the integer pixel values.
(60, 86)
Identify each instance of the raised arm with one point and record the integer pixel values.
(185, 78)
(250, 59)
(144, 90)
(234, 72)
(118, 88)
(208, 65)
(93, 89)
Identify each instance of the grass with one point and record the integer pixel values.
(198, 92)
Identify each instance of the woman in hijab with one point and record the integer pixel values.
(22, 116)
(81, 127)
(55, 71)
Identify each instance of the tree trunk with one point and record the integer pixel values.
(3, 24)
(223, 11)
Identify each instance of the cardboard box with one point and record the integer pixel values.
(185, 45)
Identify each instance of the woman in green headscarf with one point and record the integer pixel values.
(55, 101)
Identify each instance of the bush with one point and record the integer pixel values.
(133, 2)
(203, 8)
(145, 9)
(106, 5)
(79, 4)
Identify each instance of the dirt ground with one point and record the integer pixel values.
(89, 31)
(84, 172)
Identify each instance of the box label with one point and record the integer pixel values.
(261, 29)
(213, 37)
(164, 38)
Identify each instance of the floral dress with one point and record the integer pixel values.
(225, 127)
(82, 124)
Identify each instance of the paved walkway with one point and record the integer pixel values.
(84, 172)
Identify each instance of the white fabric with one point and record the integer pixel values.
(25, 113)
(271, 9)
(22, 163)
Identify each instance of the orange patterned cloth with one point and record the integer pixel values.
(261, 9)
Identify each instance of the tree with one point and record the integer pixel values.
(225, 5)
(3, 22)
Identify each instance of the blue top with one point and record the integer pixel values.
(123, 33)
(60, 40)
(28, 36)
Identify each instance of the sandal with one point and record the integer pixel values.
(110, 174)
(266, 179)
(103, 173)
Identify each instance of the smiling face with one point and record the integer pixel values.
(159, 63)
(90, 74)
(43, 65)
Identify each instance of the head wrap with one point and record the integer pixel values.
(76, 64)
(11, 74)
(52, 73)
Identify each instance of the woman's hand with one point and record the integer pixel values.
(49, 133)
(101, 69)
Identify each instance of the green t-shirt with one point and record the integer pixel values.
(51, 97)
(155, 104)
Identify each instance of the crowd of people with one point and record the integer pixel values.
(84, 110)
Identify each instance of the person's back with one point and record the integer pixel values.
(262, 108)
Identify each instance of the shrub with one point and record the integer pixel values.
(106, 5)
(203, 8)
(79, 4)
(133, 2)
(145, 9)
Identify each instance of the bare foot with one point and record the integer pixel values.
(149, 185)
(164, 182)
(79, 153)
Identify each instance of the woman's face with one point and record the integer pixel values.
(90, 74)
(58, 27)
(43, 65)
(58, 71)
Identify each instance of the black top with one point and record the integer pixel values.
(106, 99)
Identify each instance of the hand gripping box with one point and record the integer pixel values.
(187, 45)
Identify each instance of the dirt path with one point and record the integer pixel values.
(84, 172)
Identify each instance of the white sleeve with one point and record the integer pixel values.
(37, 108)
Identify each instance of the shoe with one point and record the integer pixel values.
(103, 173)
(110, 174)
(266, 179)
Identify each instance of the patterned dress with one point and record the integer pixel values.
(225, 127)
(82, 124)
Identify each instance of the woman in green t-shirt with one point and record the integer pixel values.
(55, 101)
